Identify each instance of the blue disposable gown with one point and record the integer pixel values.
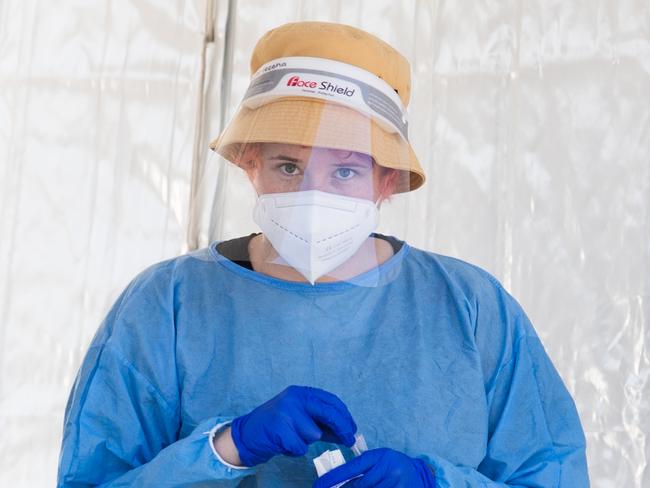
(435, 360)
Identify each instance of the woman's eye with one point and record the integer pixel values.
(345, 173)
(289, 168)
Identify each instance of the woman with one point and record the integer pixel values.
(239, 364)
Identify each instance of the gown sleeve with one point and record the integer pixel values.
(535, 438)
(122, 420)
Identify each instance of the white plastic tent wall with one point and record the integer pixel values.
(532, 120)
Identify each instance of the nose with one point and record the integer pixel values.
(312, 180)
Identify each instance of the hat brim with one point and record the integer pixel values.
(310, 122)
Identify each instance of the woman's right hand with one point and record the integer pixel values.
(289, 422)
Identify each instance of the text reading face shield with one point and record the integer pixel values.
(324, 144)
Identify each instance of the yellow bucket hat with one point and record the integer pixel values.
(308, 121)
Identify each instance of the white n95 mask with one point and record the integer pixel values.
(314, 231)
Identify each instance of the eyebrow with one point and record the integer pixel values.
(357, 161)
(352, 164)
(282, 157)
(358, 158)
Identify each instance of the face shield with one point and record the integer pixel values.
(324, 144)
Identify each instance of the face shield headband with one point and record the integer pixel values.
(332, 81)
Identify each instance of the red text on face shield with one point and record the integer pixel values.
(296, 81)
(324, 86)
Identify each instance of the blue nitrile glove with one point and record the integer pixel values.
(289, 422)
(382, 468)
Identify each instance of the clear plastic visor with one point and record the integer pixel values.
(321, 170)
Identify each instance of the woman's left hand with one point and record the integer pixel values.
(382, 468)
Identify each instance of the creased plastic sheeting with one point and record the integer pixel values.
(97, 117)
(532, 120)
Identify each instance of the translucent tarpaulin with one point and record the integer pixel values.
(532, 121)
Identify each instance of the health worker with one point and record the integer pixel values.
(240, 363)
